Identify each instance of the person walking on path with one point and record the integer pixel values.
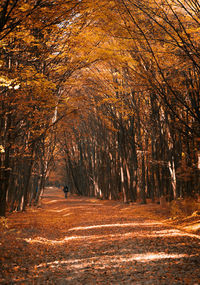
(66, 190)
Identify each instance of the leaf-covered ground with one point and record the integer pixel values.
(89, 241)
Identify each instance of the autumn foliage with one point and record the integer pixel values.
(102, 94)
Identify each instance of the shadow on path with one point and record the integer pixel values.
(88, 241)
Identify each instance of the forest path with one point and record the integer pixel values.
(89, 241)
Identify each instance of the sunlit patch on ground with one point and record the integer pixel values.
(113, 260)
(68, 214)
(99, 238)
(83, 206)
(52, 201)
(194, 227)
(93, 201)
(53, 242)
(87, 241)
(58, 211)
(116, 225)
(171, 233)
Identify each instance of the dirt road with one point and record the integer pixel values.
(89, 241)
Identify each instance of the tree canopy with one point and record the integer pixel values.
(104, 95)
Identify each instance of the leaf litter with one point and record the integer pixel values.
(88, 241)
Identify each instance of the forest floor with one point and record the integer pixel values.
(88, 241)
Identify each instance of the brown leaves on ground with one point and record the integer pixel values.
(88, 241)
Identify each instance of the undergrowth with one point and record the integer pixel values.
(3, 223)
(181, 208)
